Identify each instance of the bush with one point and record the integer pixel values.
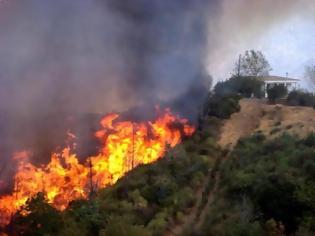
(120, 228)
(42, 218)
(247, 229)
(158, 225)
(144, 202)
(246, 86)
(278, 177)
(309, 140)
(300, 98)
(223, 107)
(277, 91)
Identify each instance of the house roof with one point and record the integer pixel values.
(276, 78)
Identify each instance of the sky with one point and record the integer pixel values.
(290, 46)
(283, 30)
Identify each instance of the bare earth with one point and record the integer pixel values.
(271, 120)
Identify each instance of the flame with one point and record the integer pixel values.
(125, 145)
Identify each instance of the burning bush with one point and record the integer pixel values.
(125, 145)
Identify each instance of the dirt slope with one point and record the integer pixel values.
(271, 120)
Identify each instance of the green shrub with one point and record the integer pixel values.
(245, 86)
(300, 98)
(158, 225)
(310, 140)
(180, 217)
(245, 229)
(278, 177)
(277, 91)
(117, 227)
(223, 107)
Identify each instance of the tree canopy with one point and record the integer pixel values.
(252, 63)
(245, 86)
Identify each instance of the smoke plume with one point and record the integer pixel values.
(60, 60)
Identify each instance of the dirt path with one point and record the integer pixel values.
(210, 199)
(198, 213)
(189, 219)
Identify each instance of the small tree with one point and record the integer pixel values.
(252, 63)
(277, 91)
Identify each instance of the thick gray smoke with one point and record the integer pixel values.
(98, 55)
(65, 57)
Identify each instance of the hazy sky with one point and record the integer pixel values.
(283, 30)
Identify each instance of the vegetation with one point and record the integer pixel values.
(222, 107)
(41, 218)
(300, 98)
(277, 91)
(246, 86)
(267, 188)
(252, 63)
(225, 99)
(145, 202)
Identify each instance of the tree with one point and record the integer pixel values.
(277, 91)
(247, 86)
(310, 73)
(252, 63)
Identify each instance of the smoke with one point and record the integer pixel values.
(61, 59)
(97, 55)
(244, 24)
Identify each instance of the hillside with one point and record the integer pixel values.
(251, 174)
(256, 116)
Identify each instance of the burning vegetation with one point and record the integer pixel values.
(125, 145)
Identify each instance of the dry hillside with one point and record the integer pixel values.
(271, 120)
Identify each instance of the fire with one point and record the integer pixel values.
(125, 145)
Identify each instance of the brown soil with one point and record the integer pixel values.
(256, 116)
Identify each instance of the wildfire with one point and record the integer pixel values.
(125, 145)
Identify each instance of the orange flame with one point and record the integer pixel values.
(125, 145)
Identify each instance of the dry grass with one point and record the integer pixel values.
(270, 120)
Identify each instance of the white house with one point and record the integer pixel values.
(269, 81)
